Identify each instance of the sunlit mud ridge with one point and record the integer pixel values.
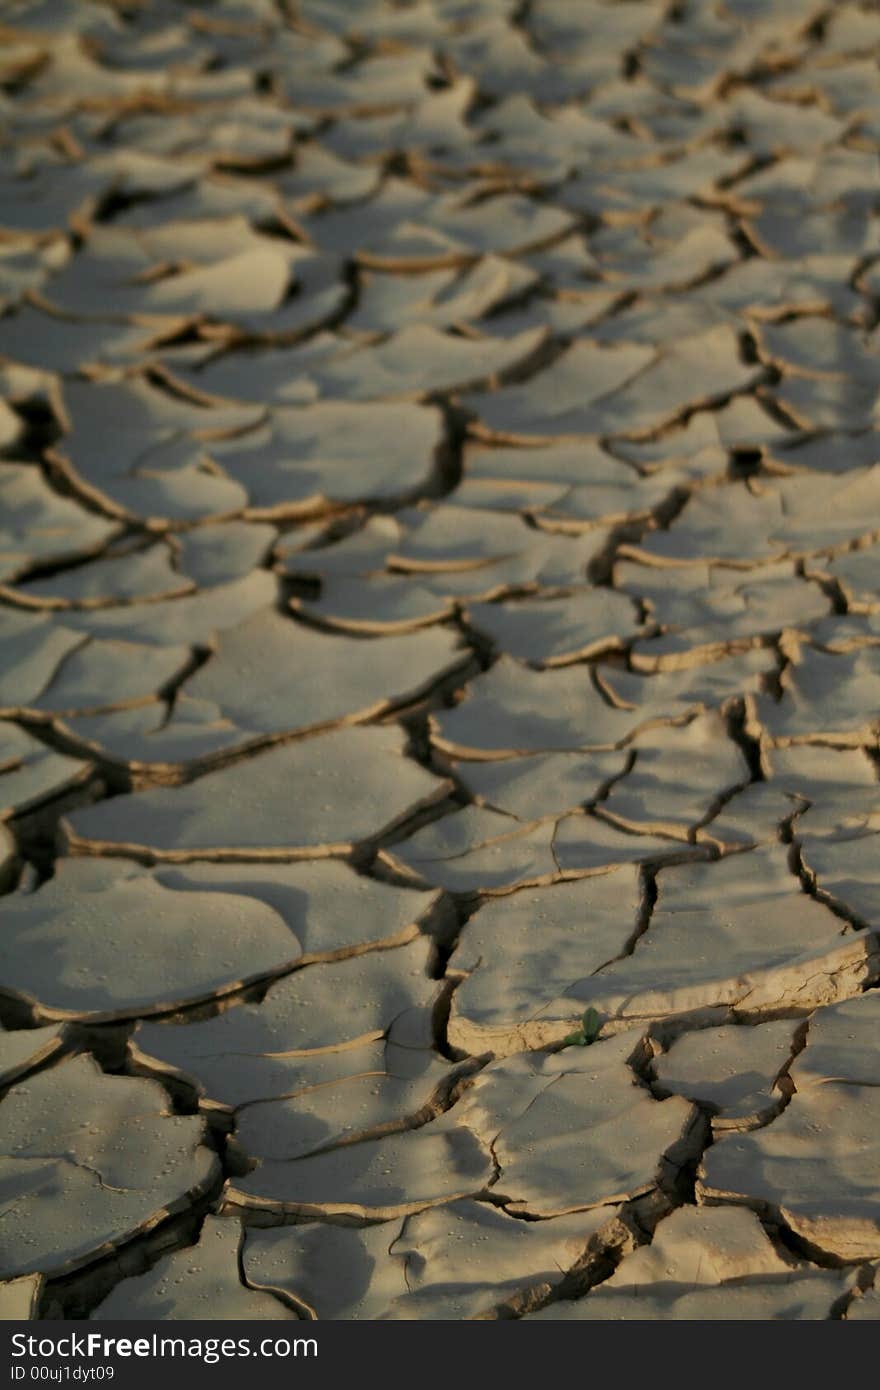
(440, 693)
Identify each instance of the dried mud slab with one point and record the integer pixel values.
(478, 851)
(245, 811)
(813, 1167)
(47, 342)
(839, 1045)
(456, 1261)
(103, 673)
(200, 1281)
(158, 466)
(837, 786)
(518, 952)
(739, 933)
(330, 911)
(73, 1196)
(376, 1179)
(418, 361)
(269, 375)
(346, 681)
(631, 390)
(698, 445)
(40, 526)
(451, 537)
(439, 299)
(702, 610)
(31, 772)
(843, 868)
(8, 858)
(864, 1308)
(511, 710)
(710, 1262)
(568, 486)
(331, 452)
(678, 775)
(503, 1257)
(353, 1095)
(680, 246)
(475, 850)
(447, 538)
(573, 1130)
(759, 523)
(216, 711)
(466, 554)
(409, 230)
(116, 579)
(223, 553)
(826, 699)
(588, 844)
(105, 938)
(541, 410)
(36, 646)
(332, 1271)
(293, 1041)
(733, 1071)
(55, 669)
(855, 572)
(680, 692)
(759, 814)
(193, 619)
(20, 1298)
(229, 273)
(556, 632)
(23, 1050)
(542, 784)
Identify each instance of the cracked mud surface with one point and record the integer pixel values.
(439, 538)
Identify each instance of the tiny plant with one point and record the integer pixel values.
(591, 1026)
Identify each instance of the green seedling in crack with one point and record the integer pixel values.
(591, 1026)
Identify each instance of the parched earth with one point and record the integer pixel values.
(439, 522)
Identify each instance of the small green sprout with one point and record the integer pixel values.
(591, 1026)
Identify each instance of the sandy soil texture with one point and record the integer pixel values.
(440, 630)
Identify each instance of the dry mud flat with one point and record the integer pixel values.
(439, 521)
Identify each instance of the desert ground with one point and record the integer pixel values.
(439, 520)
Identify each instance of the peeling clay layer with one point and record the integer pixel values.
(439, 739)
